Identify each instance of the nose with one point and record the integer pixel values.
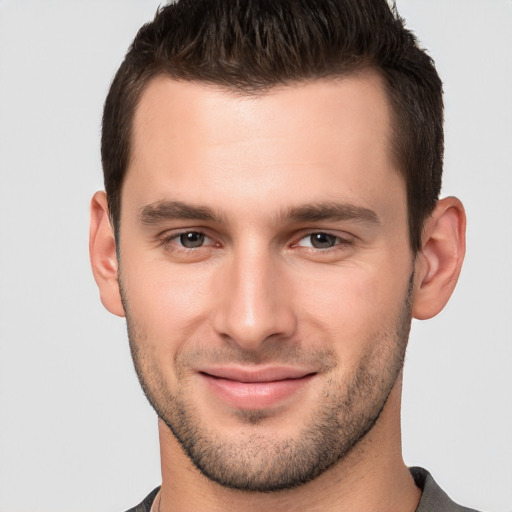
(254, 303)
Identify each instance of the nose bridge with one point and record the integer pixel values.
(252, 302)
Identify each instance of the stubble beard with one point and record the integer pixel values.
(258, 460)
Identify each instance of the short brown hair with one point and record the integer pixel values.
(253, 45)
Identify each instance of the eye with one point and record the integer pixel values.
(187, 245)
(320, 240)
(191, 239)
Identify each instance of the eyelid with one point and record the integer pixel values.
(169, 237)
(344, 239)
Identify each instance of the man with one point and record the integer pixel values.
(270, 226)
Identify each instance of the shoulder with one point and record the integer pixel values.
(433, 498)
(145, 505)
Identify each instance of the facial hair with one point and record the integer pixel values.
(258, 460)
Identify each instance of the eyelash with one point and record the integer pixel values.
(170, 241)
(340, 242)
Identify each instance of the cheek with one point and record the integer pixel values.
(353, 308)
(166, 303)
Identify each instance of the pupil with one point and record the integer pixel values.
(191, 240)
(322, 240)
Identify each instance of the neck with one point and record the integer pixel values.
(372, 477)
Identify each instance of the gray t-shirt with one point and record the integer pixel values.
(433, 498)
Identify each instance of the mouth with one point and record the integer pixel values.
(253, 389)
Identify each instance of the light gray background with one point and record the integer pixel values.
(76, 433)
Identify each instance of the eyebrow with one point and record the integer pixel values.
(332, 211)
(176, 210)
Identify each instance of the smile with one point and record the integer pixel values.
(255, 389)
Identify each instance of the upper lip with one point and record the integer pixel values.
(246, 374)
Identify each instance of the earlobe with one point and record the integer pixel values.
(102, 251)
(438, 265)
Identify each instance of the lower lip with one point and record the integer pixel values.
(255, 395)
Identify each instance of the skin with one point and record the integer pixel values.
(255, 294)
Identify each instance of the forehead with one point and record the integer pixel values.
(327, 138)
(176, 109)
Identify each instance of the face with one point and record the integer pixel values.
(265, 272)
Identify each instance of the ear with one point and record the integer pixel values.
(102, 250)
(438, 264)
